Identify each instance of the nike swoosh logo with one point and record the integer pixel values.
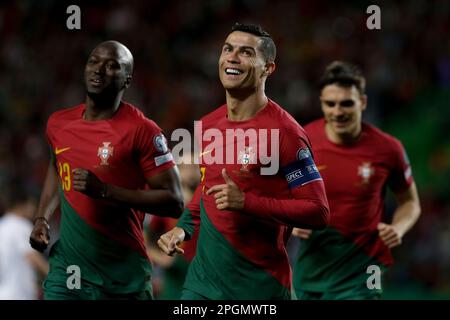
(320, 168)
(58, 151)
(205, 152)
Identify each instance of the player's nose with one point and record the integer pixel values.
(338, 110)
(100, 68)
(233, 57)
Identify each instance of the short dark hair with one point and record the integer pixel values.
(267, 46)
(343, 74)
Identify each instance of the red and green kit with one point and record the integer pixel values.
(356, 177)
(104, 239)
(242, 254)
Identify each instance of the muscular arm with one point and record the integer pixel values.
(405, 216)
(164, 198)
(49, 197)
(307, 209)
(39, 237)
(186, 226)
(408, 210)
(308, 205)
(190, 219)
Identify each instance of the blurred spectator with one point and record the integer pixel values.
(21, 268)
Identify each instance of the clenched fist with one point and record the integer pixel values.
(40, 235)
(169, 242)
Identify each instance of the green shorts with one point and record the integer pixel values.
(191, 295)
(59, 291)
(338, 295)
(56, 286)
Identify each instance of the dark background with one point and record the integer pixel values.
(176, 45)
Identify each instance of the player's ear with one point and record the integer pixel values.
(363, 102)
(269, 68)
(128, 81)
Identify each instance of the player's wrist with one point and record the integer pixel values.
(181, 234)
(399, 230)
(41, 220)
(242, 201)
(248, 202)
(104, 192)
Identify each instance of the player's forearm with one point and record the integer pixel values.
(188, 223)
(162, 202)
(300, 213)
(49, 197)
(405, 216)
(190, 219)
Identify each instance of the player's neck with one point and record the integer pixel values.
(347, 138)
(101, 109)
(243, 107)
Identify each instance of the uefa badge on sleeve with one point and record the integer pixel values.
(160, 143)
(303, 153)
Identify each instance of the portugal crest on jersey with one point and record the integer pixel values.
(246, 157)
(105, 152)
(365, 171)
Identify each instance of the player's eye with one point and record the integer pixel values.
(112, 65)
(92, 61)
(347, 103)
(227, 49)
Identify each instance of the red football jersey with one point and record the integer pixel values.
(123, 150)
(355, 178)
(242, 254)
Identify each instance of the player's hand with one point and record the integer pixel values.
(302, 233)
(87, 182)
(40, 235)
(389, 234)
(228, 196)
(169, 242)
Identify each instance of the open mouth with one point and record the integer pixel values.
(341, 122)
(96, 81)
(233, 71)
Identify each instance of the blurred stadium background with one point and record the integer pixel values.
(176, 45)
